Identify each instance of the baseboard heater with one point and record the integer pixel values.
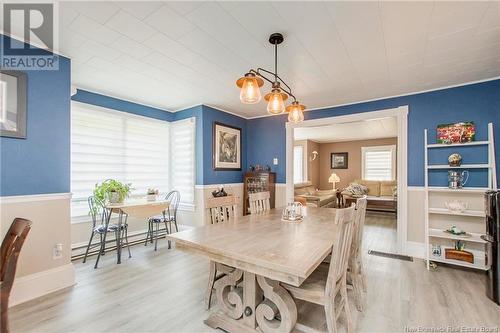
(390, 255)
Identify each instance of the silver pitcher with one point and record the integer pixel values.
(457, 179)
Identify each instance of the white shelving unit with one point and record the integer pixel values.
(438, 217)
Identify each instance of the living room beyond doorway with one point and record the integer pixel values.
(335, 164)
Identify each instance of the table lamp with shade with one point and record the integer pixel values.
(334, 178)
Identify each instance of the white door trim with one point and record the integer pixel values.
(401, 114)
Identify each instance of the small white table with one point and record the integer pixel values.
(140, 208)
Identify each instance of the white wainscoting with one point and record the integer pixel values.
(37, 272)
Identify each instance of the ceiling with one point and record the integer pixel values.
(173, 55)
(359, 130)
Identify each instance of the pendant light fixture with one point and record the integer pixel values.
(251, 82)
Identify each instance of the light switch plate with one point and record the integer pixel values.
(275, 161)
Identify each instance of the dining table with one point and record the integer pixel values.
(263, 251)
(136, 207)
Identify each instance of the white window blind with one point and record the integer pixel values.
(132, 149)
(379, 162)
(182, 146)
(298, 164)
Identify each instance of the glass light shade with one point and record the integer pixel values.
(250, 92)
(295, 112)
(276, 105)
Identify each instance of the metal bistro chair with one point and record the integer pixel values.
(169, 215)
(11, 247)
(98, 211)
(259, 202)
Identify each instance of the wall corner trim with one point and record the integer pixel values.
(35, 285)
(34, 197)
(415, 249)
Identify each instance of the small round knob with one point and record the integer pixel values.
(248, 311)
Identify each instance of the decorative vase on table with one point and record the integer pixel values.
(114, 197)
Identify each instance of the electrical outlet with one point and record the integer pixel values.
(275, 161)
(57, 252)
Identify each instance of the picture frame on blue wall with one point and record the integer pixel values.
(13, 88)
(226, 147)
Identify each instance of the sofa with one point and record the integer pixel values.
(314, 197)
(381, 195)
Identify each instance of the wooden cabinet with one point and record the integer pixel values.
(258, 181)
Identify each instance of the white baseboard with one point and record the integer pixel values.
(415, 249)
(39, 284)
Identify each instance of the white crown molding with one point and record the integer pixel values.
(90, 90)
(388, 97)
(34, 197)
(35, 285)
(312, 109)
(226, 111)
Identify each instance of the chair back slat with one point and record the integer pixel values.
(97, 211)
(222, 209)
(259, 202)
(341, 247)
(11, 247)
(173, 198)
(359, 222)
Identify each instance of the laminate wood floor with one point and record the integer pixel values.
(163, 292)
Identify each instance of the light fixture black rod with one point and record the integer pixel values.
(276, 61)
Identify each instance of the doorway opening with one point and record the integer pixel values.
(328, 157)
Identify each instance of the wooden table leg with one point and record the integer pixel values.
(251, 303)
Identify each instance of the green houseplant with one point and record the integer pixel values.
(111, 191)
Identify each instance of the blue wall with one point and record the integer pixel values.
(477, 102)
(210, 176)
(205, 117)
(121, 105)
(40, 163)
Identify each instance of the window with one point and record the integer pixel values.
(142, 151)
(182, 167)
(298, 164)
(379, 163)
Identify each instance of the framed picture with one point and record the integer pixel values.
(13, 104)
(339, 160)
(456, 133)
(226, 147)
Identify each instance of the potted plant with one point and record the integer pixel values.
(111, 191)
(151, 194)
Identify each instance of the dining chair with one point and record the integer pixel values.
(355, 271)
(259, 202)
(221, 209)
(11, 247)
(100, 226)
(330, 280)
(168, 217)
